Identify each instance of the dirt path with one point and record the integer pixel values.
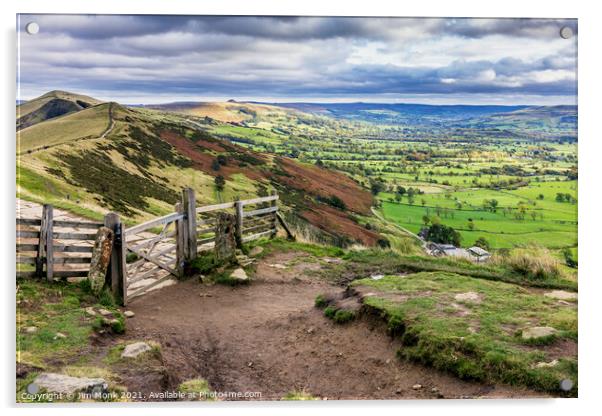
(267, 337)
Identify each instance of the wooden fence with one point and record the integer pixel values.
(144, 255)
(52, 248)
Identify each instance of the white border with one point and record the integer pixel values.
(590, 151)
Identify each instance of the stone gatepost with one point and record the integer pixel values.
(225, 237)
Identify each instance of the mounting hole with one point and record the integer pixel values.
(566, 384)
(32, 28)
(566, 32)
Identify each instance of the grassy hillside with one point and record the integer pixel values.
(88, 123)
(230, 111)
(50, 105)
(145, 157)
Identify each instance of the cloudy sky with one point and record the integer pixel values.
(153, 59)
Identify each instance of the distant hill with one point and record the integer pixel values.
(551, 122)
(51, 105)
(230, 111)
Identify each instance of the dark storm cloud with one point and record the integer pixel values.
(294, 57)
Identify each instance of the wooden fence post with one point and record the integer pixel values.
(239, 222)
(45, 246)
(189, 205)
(121, 248)
(274, 203)
(116, 273)
(180, 240)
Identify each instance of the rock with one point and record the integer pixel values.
(255, 251)
(60, 383)
(398, 391)
(333, 260)
(538, 332)
(377, 276)
(239, 274)
(104, 312)
(60, 335)
(90, 311)
(277, 266)
(561, 295)
(417, 386)
(250, 364)
(30, 329)
(434, 390)
(129, 314)
(135, 349)
(225, 239)
(472, 297)
(552, 363)
(101, 255)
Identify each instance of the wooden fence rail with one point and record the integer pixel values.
(41, 245)
(45, 243)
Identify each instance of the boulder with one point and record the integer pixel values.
(30, 329)
(256, 251)
(104, 312)
(561, 295)
(129, 314)
(538, 332)
(135, 349)
(471, 297)
(90, 311)
(417, 386)
(239, 274)
(60, 383)
(552, 363)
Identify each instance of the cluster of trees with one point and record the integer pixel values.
(443, 234)
(560, 197)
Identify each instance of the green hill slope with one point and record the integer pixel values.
(50, 105)
(136, 161)
(91, 122)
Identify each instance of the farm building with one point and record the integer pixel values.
(479, 254)
(449, 250)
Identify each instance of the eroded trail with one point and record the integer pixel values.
(267, 337)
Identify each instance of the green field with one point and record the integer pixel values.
(546, 221)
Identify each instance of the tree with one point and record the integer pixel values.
(220, 182)
(443, 234)
(222, 160)
(482, 242)
(376, 187)
(215, 165)
(470, 224)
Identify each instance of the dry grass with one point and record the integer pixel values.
(534, 262)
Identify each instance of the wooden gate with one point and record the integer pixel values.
(151, 253)
(145, 255)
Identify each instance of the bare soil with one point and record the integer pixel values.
(268, 337)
